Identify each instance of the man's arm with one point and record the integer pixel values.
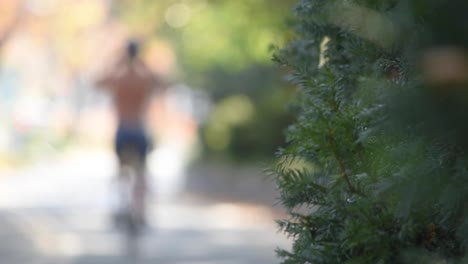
(108, 79)
(104, 82)
(156, 83)
(159, 84)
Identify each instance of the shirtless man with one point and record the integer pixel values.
(131, 84)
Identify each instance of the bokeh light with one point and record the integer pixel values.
(178, 15)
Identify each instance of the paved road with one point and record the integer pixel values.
(58, 212)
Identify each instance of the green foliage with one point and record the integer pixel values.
(223, 34)
(386, 146)
(224, 49)
(261, 132)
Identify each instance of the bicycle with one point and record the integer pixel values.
(130, 215)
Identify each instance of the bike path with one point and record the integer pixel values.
(59, 213)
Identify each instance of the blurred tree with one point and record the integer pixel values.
(375, 166)
(220, 50)
(11, 15)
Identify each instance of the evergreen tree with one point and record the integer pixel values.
(381, 133)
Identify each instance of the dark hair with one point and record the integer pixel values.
(132, 49)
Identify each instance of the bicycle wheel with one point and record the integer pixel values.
(132, 218)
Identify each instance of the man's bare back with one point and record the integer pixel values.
(130, 85)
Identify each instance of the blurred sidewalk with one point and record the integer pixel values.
(58, 212)
(15, 245)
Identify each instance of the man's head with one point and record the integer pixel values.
(132, 49)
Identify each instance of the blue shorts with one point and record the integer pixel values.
(134, 136)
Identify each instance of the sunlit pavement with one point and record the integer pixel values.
(58, 212)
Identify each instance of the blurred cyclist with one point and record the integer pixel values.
(131, 84)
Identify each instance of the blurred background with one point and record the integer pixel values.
(214, 131)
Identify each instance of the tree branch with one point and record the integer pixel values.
(344, 174)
